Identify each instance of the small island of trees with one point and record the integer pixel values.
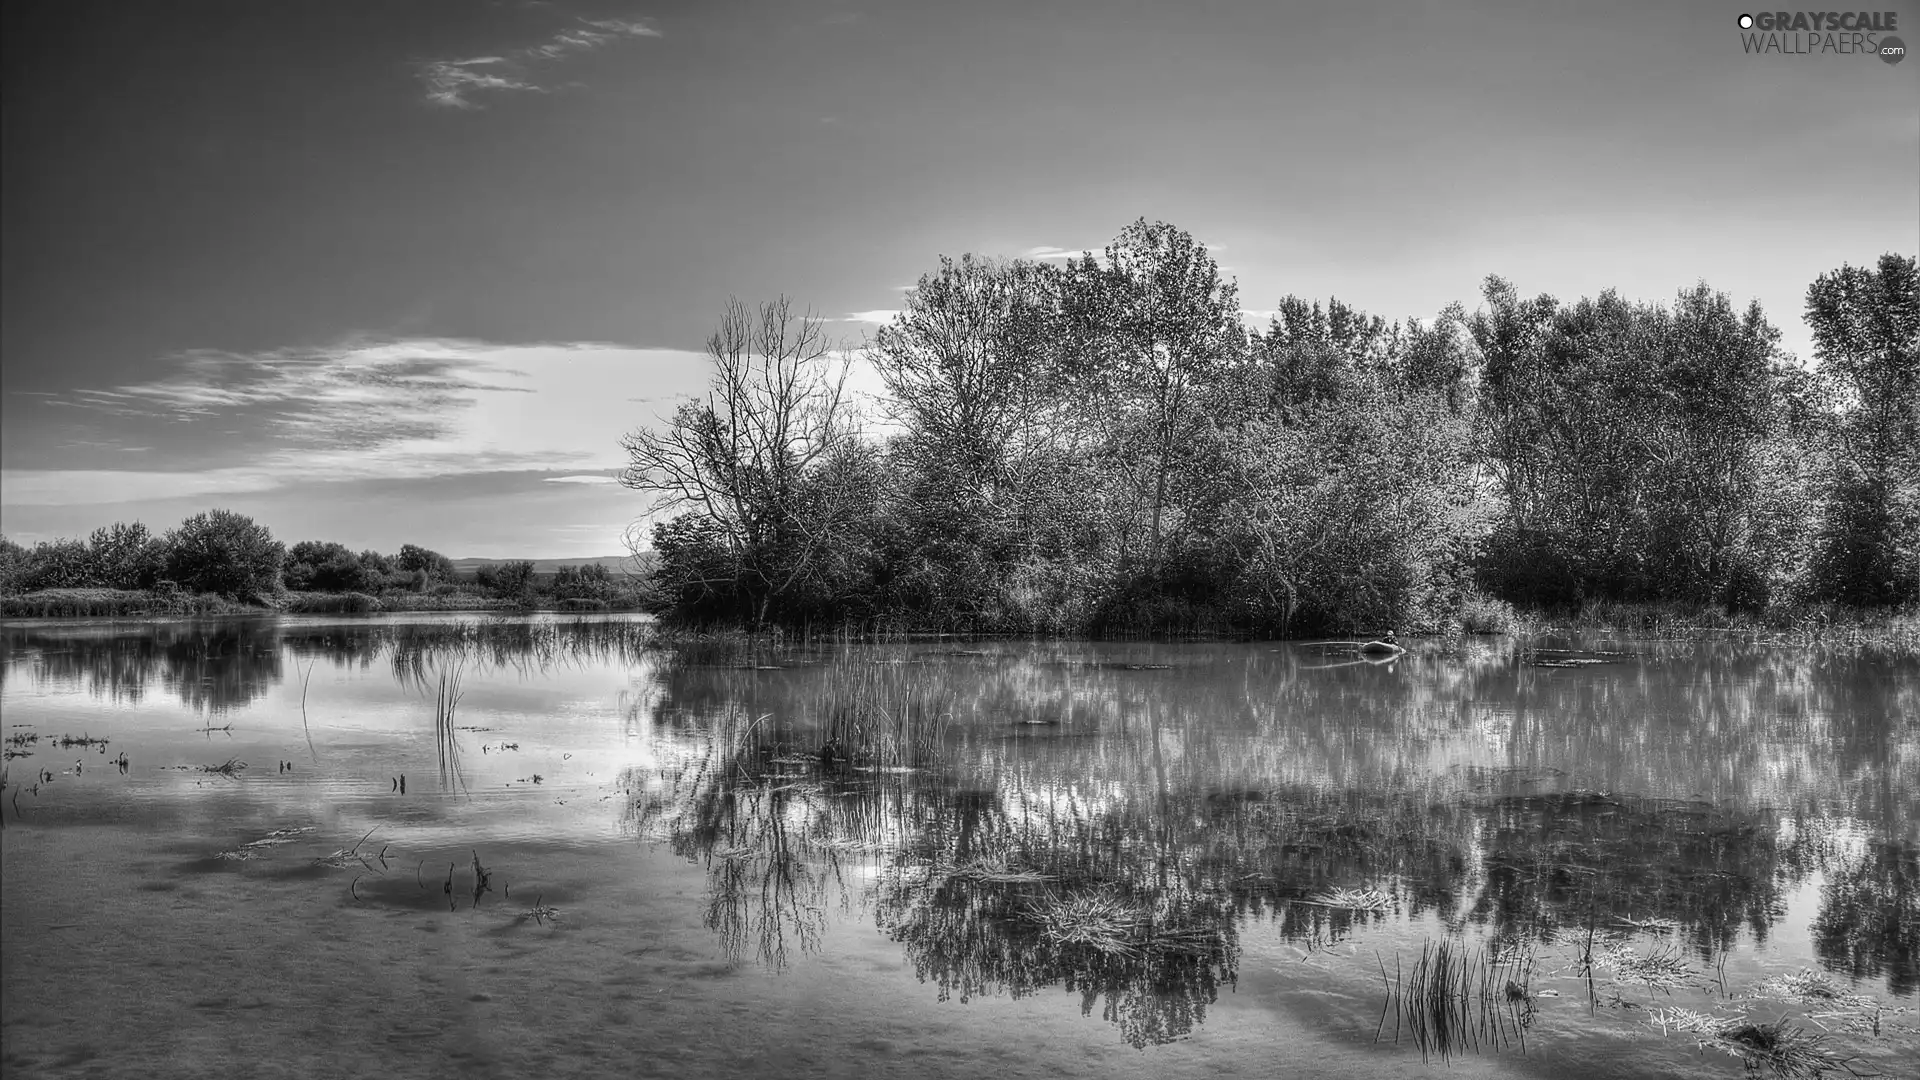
(1100, 448)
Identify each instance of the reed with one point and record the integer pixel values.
(1455, 999)
(446, 740)
(887, 715)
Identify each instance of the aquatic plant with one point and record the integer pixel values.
(445, 739)
(1455, 999)
(344, 857)
(1860, 1014)
(1785, 1049)
(1371, 901)
(881, 714)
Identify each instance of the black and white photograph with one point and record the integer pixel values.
(959, 538)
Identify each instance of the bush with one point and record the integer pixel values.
(427, 566)
(125, 556)
(314, 603)
(224, 553)
(512, 580)
(62, 564)
(1485, 615)
(320, 566)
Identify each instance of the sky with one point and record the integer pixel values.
(390, 273)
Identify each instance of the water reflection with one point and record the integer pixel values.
(1111, 827)
(1122, 821)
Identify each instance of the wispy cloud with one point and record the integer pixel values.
(589, 35)
(877, 317)
(448, 82)
(1047, 251)
(581, 479)
(452, 83)
(368, 410)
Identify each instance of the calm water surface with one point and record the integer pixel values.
(1601, 857)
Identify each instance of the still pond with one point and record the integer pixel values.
(459, 845)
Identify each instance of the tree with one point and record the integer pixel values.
(970, 367)
(746, 458)
(1628, 442)
(327, 567)
(420, 561)
(1150, 328)
(513, 580)
(13, 560)
(124, 556)
(1866, 334)
(59, 564)
(226, 553)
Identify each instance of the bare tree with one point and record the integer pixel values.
(744, 458)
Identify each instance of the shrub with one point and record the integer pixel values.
(123, 556)
(61, 564)
(1485, 615)
(428, 566)
(352, 603)
(513, 580)
(225, 553)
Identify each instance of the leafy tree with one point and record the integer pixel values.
(587, 582)
(1628, 442)
(322, 566)
(13, 560)
(427, 566)
(1149, 329)
(513, 580)
(1866, 333)
(124, 556)
(970, 366)
(59, 564)
(223, 552)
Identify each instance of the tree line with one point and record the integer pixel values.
(227, 554)
(1101, 446)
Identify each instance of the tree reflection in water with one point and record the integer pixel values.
(1114, 838)
(1114, 819)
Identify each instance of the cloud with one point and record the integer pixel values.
(878, 316)
(451, 83)
(84, 487)
(589, 35)
(1047, 251)
(581, 479)
(366, 410)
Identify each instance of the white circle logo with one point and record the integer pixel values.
(1746, 22)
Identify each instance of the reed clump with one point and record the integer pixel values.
(446, 740)
(1455, 999)
(883, 714)
(1785, 1049)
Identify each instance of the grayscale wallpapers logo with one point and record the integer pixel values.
(1804, 33)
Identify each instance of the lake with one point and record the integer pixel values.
(441, 845)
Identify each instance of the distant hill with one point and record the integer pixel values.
(615, 564)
